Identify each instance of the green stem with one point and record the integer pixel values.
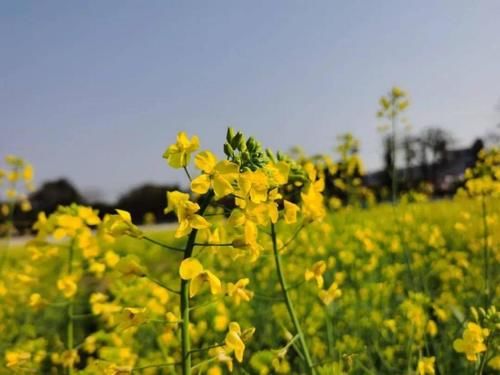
(158, 282)
(209, 303)
(206, 348)
(206, 362)
(187, 173)
(161, 244)
(294, 235)
(289, 305)
(214, 244)
(484, 358)
(185, 310)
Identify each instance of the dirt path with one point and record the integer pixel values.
(21, 240)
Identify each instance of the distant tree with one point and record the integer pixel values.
(46, 199)
(54, 193)
(438, 142)
(409, 145)
(146, 199)
(477, 146)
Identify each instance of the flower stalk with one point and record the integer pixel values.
(184, 294)
(289, 304)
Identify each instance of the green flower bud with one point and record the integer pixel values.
(237, 140)
(270, 155)
(229, 134)
(251, 144)
(228, 150)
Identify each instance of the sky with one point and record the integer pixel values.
(96, 90)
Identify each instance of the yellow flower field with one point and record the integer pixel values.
(262, 275)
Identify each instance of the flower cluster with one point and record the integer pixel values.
(16, 182)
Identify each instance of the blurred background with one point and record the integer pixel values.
(93, 92)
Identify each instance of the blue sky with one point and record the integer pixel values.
(95, 90)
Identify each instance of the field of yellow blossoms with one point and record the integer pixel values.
(262, 275)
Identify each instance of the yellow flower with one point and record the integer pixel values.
(114, 369)
(214, 371)
(218, 175)
(89, 215)
(432, 328)
(290, 212)
(220, 355)
(238, 292)
(316, 272)
(249, 218)
(13, 160)
(25, 205)
(68, 225)
(16, 359)
(277, 172)
(192, 269)
(172, 319)
(28, 173)
(202, 278)
(234, 341)
(3, 289)
(130, 266)
(186, 213)
(132, 317)
(328, 296)
(69, 358)
(472, 342)
(67, 285)
(36, 301)
(87, 242)
(121, 224)
(494, 362)
(179, 153)
(425, 366)
(312, 204)
(90, 344)
(111, 258)
(97, 268)
(253, 186)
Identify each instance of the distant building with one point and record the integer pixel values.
(445, 175)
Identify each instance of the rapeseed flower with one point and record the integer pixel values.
(425, 366)
(238, 291)
(186, 213)
(472, 342)
(331, 294)
(316, 272)
(67, 285)
(178, 154)
(191, 269)
(218, 175)
(16, 359)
